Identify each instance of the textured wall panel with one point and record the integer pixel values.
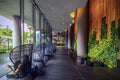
(103, 8)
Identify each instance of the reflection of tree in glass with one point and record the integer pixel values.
(28, 37)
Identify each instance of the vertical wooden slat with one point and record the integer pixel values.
(99, 9)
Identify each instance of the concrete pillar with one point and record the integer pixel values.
(16, 31)
(66, 38)
(69, 39)
(82, 33)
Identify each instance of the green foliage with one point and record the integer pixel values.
(118, 29)
(106, 50)
(26, 37)
(75, 49)
(5, 31)
(92, 41)
(104, 29)
(75, 46)
(4, 34)
(114, 33)
(98, 48)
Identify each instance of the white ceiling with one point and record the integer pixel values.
(58, 11)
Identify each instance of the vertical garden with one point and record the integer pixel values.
(105, 50)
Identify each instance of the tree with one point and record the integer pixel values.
(5, 33)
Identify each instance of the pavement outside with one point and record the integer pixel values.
(4, 69)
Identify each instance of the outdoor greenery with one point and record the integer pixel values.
(75, 46)
(28, 36)
(5, 34)
(106, 50)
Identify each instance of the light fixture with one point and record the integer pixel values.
(73, 21)
(52, 8)
(65, 29)
(63, 23)
(72, 14)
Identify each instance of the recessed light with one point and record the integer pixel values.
(52, 8)
(65, 29)
(73, 21)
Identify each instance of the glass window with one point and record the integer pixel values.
(41, 20)
(28, 22)
(37, 19)
(8, 9)
(37, 25)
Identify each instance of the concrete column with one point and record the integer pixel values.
(82, 34)
(66, 38)
(69, 39)
(51, 36)
(16, 31)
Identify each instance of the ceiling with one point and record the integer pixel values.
(8, 8)
(58, 12)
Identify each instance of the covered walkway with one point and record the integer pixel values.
(61, 67)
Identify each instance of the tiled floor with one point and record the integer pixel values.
(61, 68)
(96, 73)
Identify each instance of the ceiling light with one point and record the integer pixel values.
(65, 29)
(52, 8)
(73, 21)
(72, 14)
(63, 23)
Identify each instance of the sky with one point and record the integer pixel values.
(5, 21)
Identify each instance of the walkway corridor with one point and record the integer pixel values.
(61, 68)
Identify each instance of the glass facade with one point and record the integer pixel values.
(30, 25)
(38, 28)
(37, 25)
(28, 22)
(7, 12)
